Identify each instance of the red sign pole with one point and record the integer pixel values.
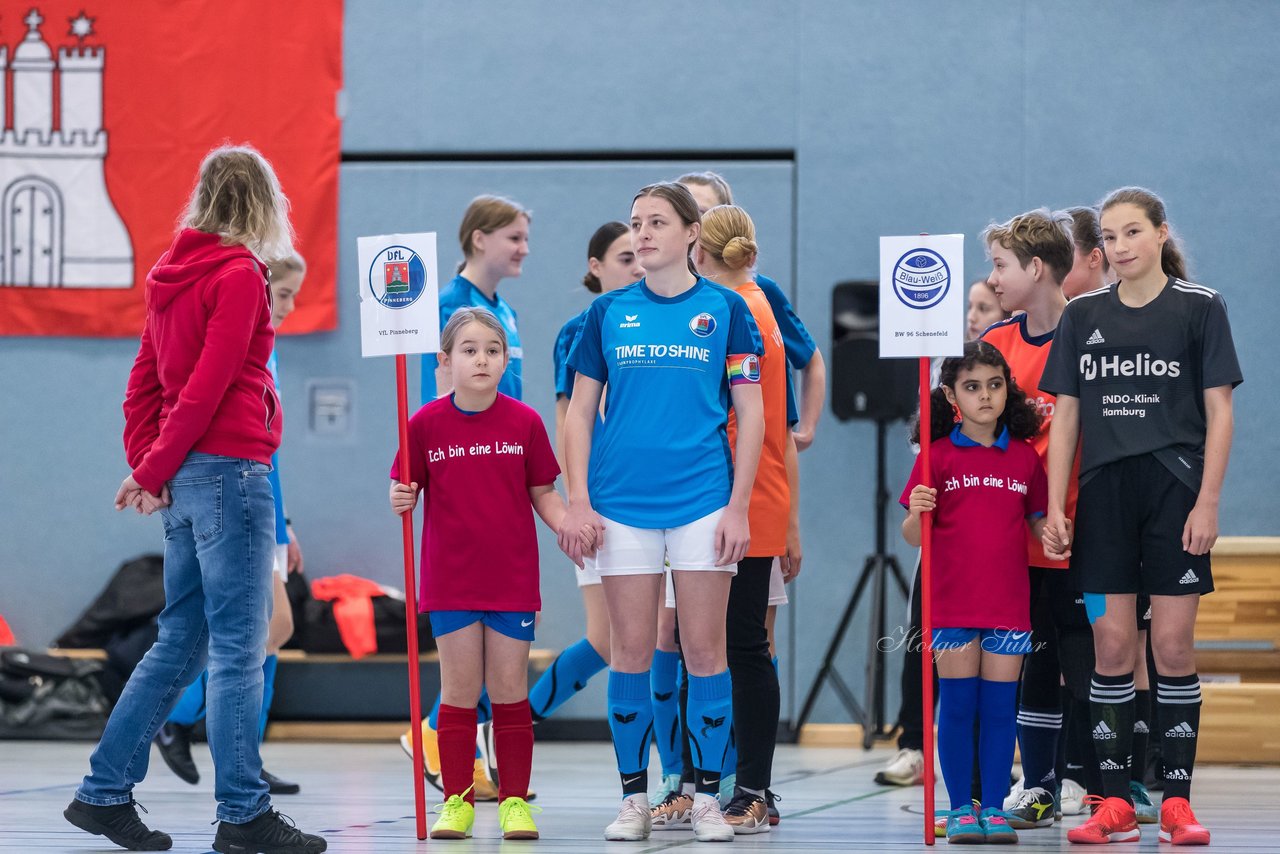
(411, 604)
(926, 607)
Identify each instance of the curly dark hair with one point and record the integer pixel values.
(1019, 415)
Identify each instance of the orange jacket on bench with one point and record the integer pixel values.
(352, 610)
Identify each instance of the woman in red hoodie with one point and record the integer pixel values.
(201, 423)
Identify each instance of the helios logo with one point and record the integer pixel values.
(1141, 365)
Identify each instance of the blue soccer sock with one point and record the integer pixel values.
(957, 710)
(268, 692)
(566, 676)
(730, 766)
(710, 720)
(663, 682)
(631, 722)
(484, 711)
(1038, 740)
(997, 722)
(191, 706)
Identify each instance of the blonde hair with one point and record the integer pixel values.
(238, 197)
(470, 314)
(1036, 234)
(714, 180)
(729, 236)
(488, 214)
(292, 263)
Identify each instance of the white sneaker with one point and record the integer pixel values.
(1071, 797)
(906, 768)
(633, 823)
(1011, 799)
(708, 822)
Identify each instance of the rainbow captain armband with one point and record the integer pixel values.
(744, 369)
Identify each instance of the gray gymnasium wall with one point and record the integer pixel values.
(901, 117)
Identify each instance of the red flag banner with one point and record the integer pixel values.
(107, 113)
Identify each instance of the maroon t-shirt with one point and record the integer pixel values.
(479, 546)
(985, 496)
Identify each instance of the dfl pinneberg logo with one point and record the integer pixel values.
(702, 325)
(751, 368)
(921, 278)
(397, 277)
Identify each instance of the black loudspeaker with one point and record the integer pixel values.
(864, 386)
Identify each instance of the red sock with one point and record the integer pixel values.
(457, 740)
(513, 734)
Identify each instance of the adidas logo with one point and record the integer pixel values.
(1140, 726)
(1177, 774)
(1112, 765)
(1189, 577)
(1103, 732)
(1182, 730)
(1096, 338)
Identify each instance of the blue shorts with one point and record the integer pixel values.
(517, 625)
(999, 641)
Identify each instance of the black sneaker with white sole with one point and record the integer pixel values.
(174, 743)
(269, 833)
(1034, 808)
(119, 823)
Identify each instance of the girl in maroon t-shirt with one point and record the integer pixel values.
(991, 485)
(482, 459)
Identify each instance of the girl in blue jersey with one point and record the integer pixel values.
(494, 236)
(656, 478)
(611, 264)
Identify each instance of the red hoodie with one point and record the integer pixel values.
(200, 381)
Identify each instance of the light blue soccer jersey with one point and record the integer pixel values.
(277, 491)
(661, 457)
(460, 293)
(564, 374)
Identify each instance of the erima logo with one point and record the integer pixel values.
(1102, 731)
(1140, 726)
(624, 719)
(662, 698)
(1189, 577)
(1096, 338)
(1110, 765)
(631, 322)
(1182, 730)
(1177, 774)
(1142, 365)
(711, 723)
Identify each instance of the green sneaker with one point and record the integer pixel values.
(1145, 811)
(456, 818)
(515, 819)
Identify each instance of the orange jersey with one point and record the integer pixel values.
(770, 495)
(1026, 355)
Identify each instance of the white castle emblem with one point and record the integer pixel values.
(58, 226)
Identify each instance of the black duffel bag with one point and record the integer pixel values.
(48, 696)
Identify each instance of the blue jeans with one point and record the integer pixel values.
(219, 535)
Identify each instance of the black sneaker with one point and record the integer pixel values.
(775, 817)
(174, 741)
(276, 786)
(120, 824)
(269, 833)
(1034, 808)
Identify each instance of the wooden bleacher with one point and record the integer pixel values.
(1237, 655)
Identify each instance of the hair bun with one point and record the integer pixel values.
(738, 251)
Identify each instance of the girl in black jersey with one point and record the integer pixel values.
(1143, 371)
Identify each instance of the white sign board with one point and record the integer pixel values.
(399, 295)
(922, 296)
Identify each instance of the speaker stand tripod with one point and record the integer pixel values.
(874, 571)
